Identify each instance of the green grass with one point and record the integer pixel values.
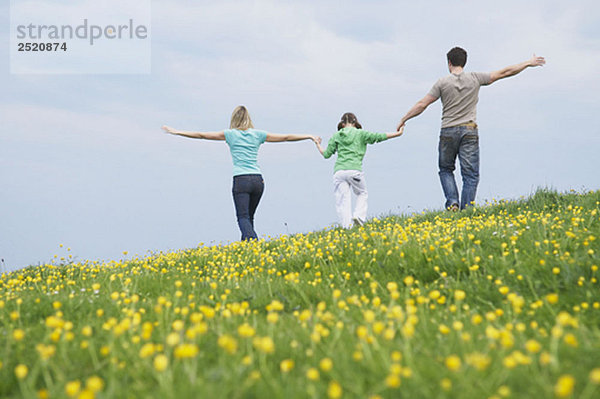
(382, 304)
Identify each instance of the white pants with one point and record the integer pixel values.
(343, 181)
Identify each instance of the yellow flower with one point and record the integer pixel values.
(533, 346)
(43, 394)
(396, 356)
(87, 331)
(564, 386)
(264, 344)
(45, 351)
(104, 350)
(86, 394)
(275, 306)
(246, 331)
(392, 381)
(94, 384)
(362, 332)
(446, 384)
(571, 340)
(369, 316)
(272, 317)
(186, 351)
(18, 334)
(453, 363)
(478, 360)
(21, 371)
(459, 295)
(177, 325)
(326, 364)
(409, 280)
(173, 339)
(552, 298)
(312, 374)
(595, 376)
(228, 343)
(161, 362)
(72, 388)
(147, 350)
(504, 391)
(334, 390)
(286, 365)
(545, 358)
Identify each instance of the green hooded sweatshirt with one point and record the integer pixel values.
(350, 144)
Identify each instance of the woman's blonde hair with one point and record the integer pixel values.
(240, 119)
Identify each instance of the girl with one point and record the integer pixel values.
(350, 143)
(243, 141)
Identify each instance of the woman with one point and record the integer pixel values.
(243, 141)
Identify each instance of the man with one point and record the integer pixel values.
(459, 92)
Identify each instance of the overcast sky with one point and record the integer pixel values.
(83, 161)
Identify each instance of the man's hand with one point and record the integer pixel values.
(536, 61)
(516, 69)
(400, 126)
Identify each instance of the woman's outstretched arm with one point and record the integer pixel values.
(278, 138)
(196, 135)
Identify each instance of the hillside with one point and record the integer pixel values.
(498, 301)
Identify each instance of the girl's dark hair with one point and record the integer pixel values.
(348, 118)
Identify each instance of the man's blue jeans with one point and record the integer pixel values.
(464, 142)
(247, 190)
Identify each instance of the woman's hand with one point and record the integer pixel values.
(169, 130)
(316, 139)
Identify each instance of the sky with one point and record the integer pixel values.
(84, 163)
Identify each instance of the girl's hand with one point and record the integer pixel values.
(316, 139)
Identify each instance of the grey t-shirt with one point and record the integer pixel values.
(459, 94)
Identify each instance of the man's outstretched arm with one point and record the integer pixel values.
(517, 68)
(419, 107)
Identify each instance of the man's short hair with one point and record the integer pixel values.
(457, 57)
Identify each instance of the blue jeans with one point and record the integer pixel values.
(247, 190)
(464, 142)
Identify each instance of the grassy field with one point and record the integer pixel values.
(501, 301)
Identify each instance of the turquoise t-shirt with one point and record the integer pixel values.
(243, 145)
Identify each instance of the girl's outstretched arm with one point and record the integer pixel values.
(278, 138)
(196, 135)
(318, 143)
(396, 134)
